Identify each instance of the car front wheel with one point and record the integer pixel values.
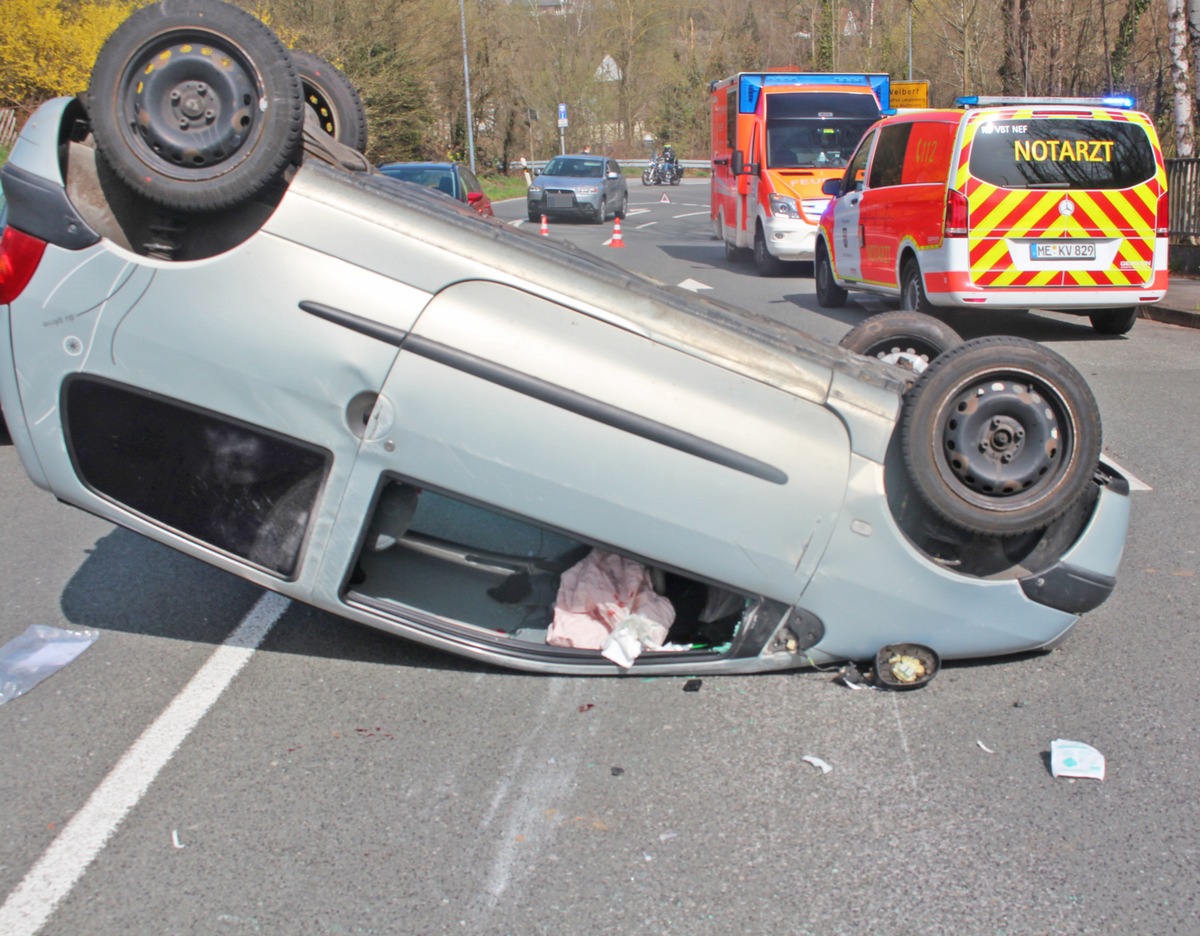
(196, 105)
(829, 294)
(1000, 436)
(765, 262)
(601, 212)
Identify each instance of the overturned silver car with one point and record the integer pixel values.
(227, 334)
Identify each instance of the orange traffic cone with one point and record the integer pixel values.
(545, 232)
(616, 238)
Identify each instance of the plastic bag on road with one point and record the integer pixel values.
(37, 653)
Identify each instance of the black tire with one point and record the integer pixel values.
(196, 105)
(620, 212)
(535, 217)
(829, 294)
(912, 289)
(676, 176)
(908, 339)
(333, 99)
(601, 212)
(1000, 436)
(647, 176)
(765, 262)
(1114, 321)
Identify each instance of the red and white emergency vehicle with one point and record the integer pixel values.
(776, 137)
(1003, 203)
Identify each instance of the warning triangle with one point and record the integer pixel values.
(664, 200)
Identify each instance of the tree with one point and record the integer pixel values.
(1180, 85)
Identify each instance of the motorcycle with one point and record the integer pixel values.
(662, 172)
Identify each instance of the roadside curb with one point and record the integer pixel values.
(1170, 316)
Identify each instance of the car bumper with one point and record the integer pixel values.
(789, 238)
(579, 209)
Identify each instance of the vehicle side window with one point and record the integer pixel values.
(928, 155)
(889, 155)
(856, 169)
(470, 182)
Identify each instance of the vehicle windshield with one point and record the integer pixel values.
(575, 167)
(816, 130)
(1062, 153)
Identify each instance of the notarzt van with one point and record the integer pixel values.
(1005, 204)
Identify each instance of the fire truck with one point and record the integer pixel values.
(776, 138)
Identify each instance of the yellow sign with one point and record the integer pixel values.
(910, 94)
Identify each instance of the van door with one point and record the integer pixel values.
(847, 242)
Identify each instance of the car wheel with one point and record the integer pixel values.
(912, 289)
(601, 212)
(1000, 436)
(765, 262)
(196, 105)
(829, 294)
(620, 212)
(333, 98)
(908, 339)
(535, 217)
(1114, 321)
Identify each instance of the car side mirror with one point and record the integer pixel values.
(614, 175)
(832, 187)
(473, 197)
(737, 164)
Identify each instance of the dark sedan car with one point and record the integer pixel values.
(450, 178)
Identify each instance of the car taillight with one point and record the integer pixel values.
(1162, 223)
(20, 255)
(956, 214)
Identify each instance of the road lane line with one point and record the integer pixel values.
(690, 214)
(32, 902)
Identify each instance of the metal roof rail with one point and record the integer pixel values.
(979, 100)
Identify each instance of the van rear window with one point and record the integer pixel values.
(1062, 153)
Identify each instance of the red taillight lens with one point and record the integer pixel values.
(956, 214)
(1162, 223)
(20, 255)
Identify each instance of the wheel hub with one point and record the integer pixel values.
(193, 105)
(1000, 439)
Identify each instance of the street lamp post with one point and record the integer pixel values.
(462, 13)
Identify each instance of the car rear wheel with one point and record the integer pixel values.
(765, 262)
(829, 294)
(1000, 436)
(333, 98)
(196, 105)
(1114, 321)
(908, 339)
(912, 289)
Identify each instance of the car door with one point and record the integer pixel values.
(201, 396)
(847, 244)
(878, 237)
(578, 423)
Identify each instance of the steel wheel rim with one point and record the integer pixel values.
(189, 107)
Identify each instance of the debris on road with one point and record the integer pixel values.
(39, 652)
(1075, 759)
(821, 765)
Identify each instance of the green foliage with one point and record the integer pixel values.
(47, 47)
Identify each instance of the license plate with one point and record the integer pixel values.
(1062, 250)
(558, 200)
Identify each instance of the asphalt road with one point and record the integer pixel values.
(218, 762)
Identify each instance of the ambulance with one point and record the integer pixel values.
(1003, 203)
(776, 138)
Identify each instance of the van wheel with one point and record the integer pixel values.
(908, 339)
(196, 105)
(912, 289)
(765, 262)
(1000, 436)
(1114, 321)
(333, 98)
(829, 294)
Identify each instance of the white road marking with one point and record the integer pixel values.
(690, 214)
(646, 225)
(693, 286)
(1135, 484)
(635, 211)
(32, 902)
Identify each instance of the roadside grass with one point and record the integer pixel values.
(500, 187)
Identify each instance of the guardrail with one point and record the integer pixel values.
(1183, 197)
(624, 163)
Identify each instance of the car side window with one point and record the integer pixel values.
(470, 181)
(856, 169)
(928, 155)
(888, 164)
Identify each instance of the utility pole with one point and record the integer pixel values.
(462, 13)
